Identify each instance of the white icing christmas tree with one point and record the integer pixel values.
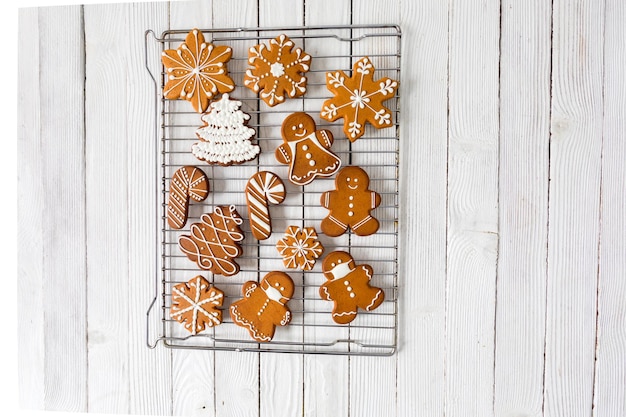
(225, 138)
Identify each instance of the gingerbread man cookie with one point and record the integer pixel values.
(264, 305)
(348, 286)
(306, 150)
(350, 204)
(196, 304)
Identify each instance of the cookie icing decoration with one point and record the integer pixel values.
(263, 188)
(277, 70)
(196, 304)
(306, 150)
(358, 99)
(188, 183)
(214, 241)
(348, 287)
(350, 204)
(300, 248)
(264, 305)
(196, 71)
(225, 137)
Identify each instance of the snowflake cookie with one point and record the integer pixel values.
(225, 138)
(358, 99)
(300, 248)
(195, 304)
(196, 71)
(278, 69)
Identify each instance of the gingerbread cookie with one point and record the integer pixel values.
(225, 137)
(348, 286)
(278, 70)
(187, 183)
(263, 188)
(196, 304)
(306, 150)
(350, 204)
(213, 243)
(300, 248)
(264, 305)
(196, 71)
(358, 99)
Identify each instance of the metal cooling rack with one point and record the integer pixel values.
(312, 330)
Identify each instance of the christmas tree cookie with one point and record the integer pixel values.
(225, 137)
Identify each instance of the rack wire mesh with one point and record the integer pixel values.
(312, 329)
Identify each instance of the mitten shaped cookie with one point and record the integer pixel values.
(264, 305)
(348, 286)
(350, 204)
(306, 150)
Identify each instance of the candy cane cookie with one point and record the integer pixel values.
(263, 188)
(187, 183)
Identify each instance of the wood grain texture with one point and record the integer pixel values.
(30, 207)
(575, 151)
(523, 202)
(423, 149)
(610, 373)
(472, 206)
(61, 59)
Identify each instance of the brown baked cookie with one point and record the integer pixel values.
(264, 305)
(350, 204)
(188, 183)
(358, 99)
(300, 248)
(225, 136)
(348, 286)
(278, 70)
(306, 150)
(263, 188)
(196, 304)
(214, 242)
(196, 71)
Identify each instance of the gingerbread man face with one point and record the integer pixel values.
(337, 264)
(297, 126)
(350, 204)
(278, 287)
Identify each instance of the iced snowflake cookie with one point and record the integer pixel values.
(214, 241)
(225, 138)
(278, 70)
(348, 286)
(358, 99)
(196, 304)
(188, 183)
(264, 305)
(196, 71)
(300, 248)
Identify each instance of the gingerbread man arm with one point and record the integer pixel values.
(324, 293)
(326, 199)
(282, 154)
(375, 199)
(248, 288)
(368, 270)
(325, 137)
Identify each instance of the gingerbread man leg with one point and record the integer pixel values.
(332, 226)
(344, 315)
(367, 226)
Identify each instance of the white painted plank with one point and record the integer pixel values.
(574, 193)
(107, 223)
(63, 168)
(610, 374)
(472, 207)
(423, 150)
(30, 206)
(524, 141)
(149, 370)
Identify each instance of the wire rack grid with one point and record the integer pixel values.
(311, 329)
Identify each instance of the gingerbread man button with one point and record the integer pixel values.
(350, 204)
(306, 150)
(348, 286)
(264, 305)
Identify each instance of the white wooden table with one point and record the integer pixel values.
(512, 285)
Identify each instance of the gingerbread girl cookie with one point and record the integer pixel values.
(306, 150)
(196, 304)
(350, 204)
(264, 305)
(348, 286)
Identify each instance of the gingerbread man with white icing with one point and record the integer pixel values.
(348, 286)
(264, 305)
(306, 150)
(350, 204)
